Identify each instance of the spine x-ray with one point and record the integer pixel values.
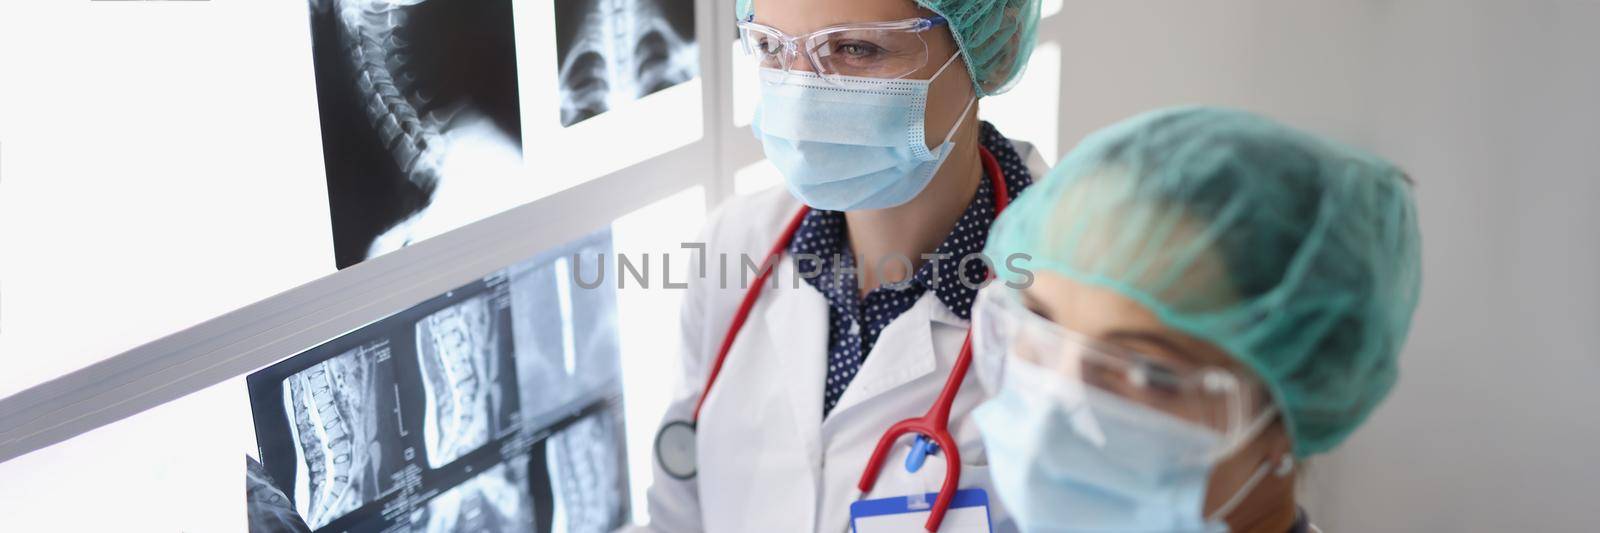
(337, 409)
(420, 115)
(468, 381)
(494, 407)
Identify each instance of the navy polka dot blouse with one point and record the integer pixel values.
(854, 322)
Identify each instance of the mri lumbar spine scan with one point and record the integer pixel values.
(457, 348)
(336, 430)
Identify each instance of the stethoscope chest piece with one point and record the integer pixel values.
(675, 450)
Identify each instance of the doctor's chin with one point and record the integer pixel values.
(811, 266)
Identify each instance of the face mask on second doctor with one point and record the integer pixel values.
(1121, 423)
(857, 114)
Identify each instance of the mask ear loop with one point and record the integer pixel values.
(1251, 430)
(951, 135)
(957, 126)
(1285, 466)
(946, 65)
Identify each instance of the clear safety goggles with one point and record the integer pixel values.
(875, 50)
(1099, 379)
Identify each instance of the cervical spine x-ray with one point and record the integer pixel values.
(420, 115)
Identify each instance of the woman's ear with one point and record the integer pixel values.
(1278, 444)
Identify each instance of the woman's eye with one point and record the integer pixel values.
(767, 47)
(1137, 383)
(1160, 381)
(858, 49)
(1109, 379)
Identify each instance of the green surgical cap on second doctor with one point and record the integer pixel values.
(1297, 256)
(996, 37)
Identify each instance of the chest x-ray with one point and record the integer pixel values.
(615, 51)
(421, 122)
(494, 407)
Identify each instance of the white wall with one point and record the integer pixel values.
(1494, 107)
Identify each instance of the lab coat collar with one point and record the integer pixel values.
(904, 352)
(796, 324)
(943, 315)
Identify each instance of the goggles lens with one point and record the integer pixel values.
(885, 51)
(886, 54)
(1100, 377)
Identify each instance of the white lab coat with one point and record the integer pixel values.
(768, 460)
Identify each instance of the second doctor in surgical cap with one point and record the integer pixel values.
(1216, 297)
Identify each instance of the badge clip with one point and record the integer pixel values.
(921, 448)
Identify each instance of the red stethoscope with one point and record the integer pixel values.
(675, 443)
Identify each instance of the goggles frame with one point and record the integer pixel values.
(1001, 322)
(808, 44)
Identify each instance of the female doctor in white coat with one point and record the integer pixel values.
(869, 110)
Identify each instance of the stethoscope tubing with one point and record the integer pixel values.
(935, 424)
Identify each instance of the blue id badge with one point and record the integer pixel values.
(969, 513)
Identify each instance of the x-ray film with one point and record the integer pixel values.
(468, 381)
(420, 116)
(493, 407)
(588, 474)
(338, 425)
(496, 500)
(562, 361)
(615, 51)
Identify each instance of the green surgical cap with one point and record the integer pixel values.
(996, 37)
(1297, 256)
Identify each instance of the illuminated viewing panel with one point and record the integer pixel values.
(417, 141)
(352, 128)
(494, 407)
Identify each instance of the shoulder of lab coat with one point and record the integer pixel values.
(1031, 158)
(742, 227)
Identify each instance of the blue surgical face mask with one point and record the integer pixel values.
(856, 143)
(1055, 472)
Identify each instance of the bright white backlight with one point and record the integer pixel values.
(756, 177)
(1030, 111)
(1049, 7)
(745, 88)
(647, 322)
